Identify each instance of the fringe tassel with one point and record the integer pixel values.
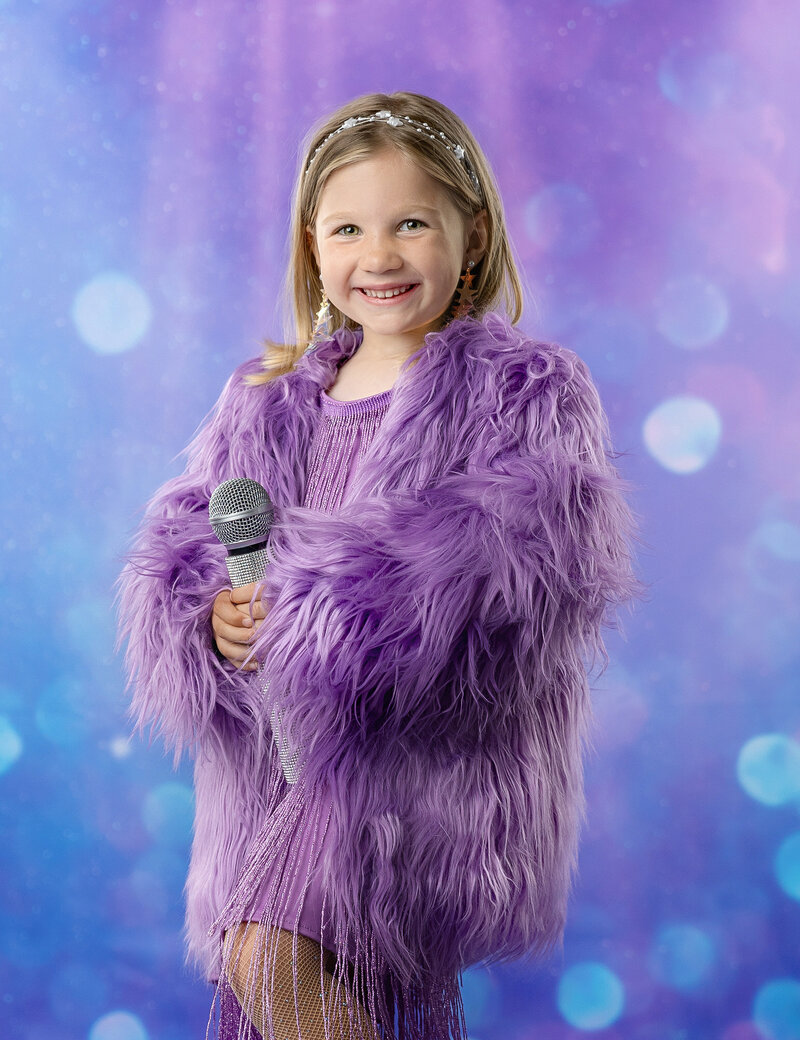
(360, 998)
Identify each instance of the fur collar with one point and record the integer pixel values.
(463, 399)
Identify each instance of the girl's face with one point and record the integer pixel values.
(391, 247)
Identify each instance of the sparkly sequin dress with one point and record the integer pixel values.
(292, 898)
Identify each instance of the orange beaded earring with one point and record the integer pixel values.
(463, 303)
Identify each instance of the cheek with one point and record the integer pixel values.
(327, 262)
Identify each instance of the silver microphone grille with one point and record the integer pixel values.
(240, 512)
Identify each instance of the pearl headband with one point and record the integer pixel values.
(422, 128)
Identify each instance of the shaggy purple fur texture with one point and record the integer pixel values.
(427, 645)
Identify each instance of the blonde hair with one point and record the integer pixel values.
(497, 281)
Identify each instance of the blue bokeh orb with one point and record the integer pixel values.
(768, 768)
(776, 1009)
(10, 745)
(89, 623)
(118, 1025)
(157, 879)
(691, 312)
(697, 80)
(682, 956)
(590, 996)
(477, 992)
(787, 865)
(61, 713)
(780, 538)
(168, 814)
(682, 433)
(111, 313)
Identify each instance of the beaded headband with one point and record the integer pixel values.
(422, 128)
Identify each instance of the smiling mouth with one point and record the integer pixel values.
(386, 294)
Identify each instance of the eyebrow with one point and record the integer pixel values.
(344, 218)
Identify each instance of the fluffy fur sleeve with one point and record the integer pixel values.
(176, 567)
(431, 614)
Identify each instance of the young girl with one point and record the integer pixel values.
(387, 732)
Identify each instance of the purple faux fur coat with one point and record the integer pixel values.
(427, 645)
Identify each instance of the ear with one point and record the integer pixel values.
(478, 236)
(311, 241)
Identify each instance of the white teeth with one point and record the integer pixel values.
(385, 295)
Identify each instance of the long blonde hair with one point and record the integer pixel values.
(497, 281)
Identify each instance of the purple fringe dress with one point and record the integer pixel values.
(344, 432)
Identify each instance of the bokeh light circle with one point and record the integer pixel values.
(776, 1009)
(780, 538)
(682, 956)
(157, 879)
(682, 433)
(477, 993)
(696, 80)
(787, 865)
(120, 747)
(118, 1025)
(61, 712)
(10, 745)
(168, 813)
(691, 312)
(561, 218)
(111, 313)
(590, 996)
(768, 768)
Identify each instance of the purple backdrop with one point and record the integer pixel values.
(646, 152)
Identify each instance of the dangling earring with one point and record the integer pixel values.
(322, 323)
(464, 300)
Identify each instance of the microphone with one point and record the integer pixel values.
(241, 515)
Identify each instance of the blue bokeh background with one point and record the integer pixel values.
(648, 155)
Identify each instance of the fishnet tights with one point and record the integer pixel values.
(258, 992)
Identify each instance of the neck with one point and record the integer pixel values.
(391, 349)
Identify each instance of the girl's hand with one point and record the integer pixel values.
(233, 625)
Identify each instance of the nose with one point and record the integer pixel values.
(380, 254)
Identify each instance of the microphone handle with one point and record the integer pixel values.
(245, 566)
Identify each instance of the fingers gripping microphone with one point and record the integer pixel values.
(241, 515)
